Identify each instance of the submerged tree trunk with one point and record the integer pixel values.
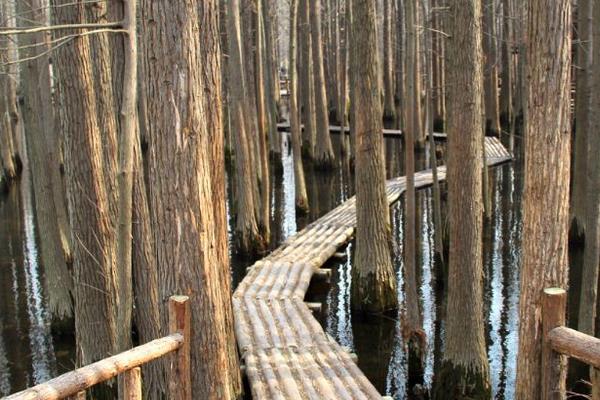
(300, 184)
(464, 371)
(39, 125)
(324, 157)
(583, 93)
(248, 238)
(373, 279)
(546, 192)
(180, 164)
(91, 227)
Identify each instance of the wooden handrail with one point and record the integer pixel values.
(575, 344)
(75, 382)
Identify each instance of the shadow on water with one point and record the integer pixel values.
(29, 354)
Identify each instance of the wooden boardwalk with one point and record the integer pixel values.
(286, 353)
(285, 126)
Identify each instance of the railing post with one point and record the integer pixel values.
(554, 365)
(180, 385)
(78, 396)
(132, 384)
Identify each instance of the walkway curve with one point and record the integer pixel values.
(286, 353)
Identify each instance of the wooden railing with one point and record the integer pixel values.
(73, 385)
(560, 341)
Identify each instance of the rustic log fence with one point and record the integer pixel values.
(560, 342)
(72, 385)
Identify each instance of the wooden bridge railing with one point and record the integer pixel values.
(560, 341)
(72, 385)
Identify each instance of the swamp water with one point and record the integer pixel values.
(29, 353)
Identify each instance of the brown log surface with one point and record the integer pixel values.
(575, 344)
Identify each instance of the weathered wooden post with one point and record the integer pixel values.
(132, 384)
(180, 384)
(554, 364)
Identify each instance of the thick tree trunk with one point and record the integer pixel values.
(324, 157)
(300, 184)
(373, 279)
(389, 108)
(248, 239)
(583, 93)
(182, 187)
(547, 145)
(211, 68)
(39, 126)
(7, 147)
(492, 111)
(91, 228)
(464, 370)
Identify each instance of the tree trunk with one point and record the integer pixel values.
(591, 254)
(92, 230)
(39, 126)
(547, 145)
(300, 184)
(264, 218)
(306, 79)
(7, 147)
(583, 93)
(324, 157)
(492, 111)
(413, 73)
(272, 78)
(506, 88)
(181, 184)
(211, 68)
(373, 279)
(389, 108)
(248, 240)
(464, 371)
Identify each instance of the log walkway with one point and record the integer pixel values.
(285, 126)
(285, 351)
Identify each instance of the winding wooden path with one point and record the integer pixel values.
(286, 353)
(285, 126)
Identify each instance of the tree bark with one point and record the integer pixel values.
(248, 239)
(547, 145)
(373, 279)
(591, 254)
(39, 125)
(413, 73)
(583, 93)
(300, 184)
(306, 74)
(182, 187)
(464, 372)
(492, 111)
(324, 157)
(91, 228)
(389, 108)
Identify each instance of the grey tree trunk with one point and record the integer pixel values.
(324, 157)
(583, 93)
(300, 184)
(39, 126)
(389, 108)
(492, 111)
(464, 371)
(373, 279)
(306, 80)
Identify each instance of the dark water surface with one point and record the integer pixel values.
(30, 354)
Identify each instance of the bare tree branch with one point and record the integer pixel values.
(16, 31)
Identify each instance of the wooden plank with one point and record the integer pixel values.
(180, 378)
